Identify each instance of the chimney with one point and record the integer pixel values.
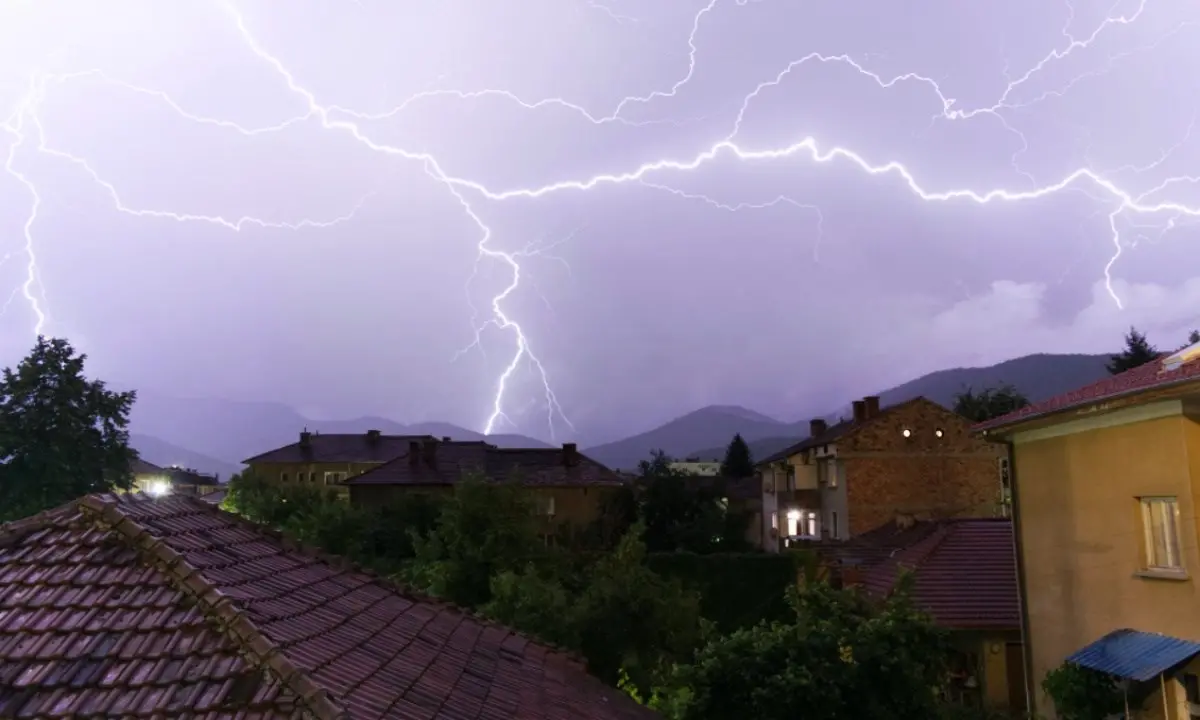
(305, 439)
(817, 427)
(872, 403)
(860, 411)
(414, 453)
(431, 452)
(570, 453)
(851, 574)
(373, 437)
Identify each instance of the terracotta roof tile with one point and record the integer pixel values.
(340, 447)
(1146, 378)
(965, 569)
(144, 607)
(443, 463)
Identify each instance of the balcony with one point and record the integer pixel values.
(806, 498)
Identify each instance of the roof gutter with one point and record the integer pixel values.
(1022, 588)
(1107, 398)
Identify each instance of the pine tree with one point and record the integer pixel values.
(1194, 337)
(738, 463)
(61, 435)
(1138, 351)
(989, 403)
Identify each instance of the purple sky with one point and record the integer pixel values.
(355, 144)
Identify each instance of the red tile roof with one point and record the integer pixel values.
(1146, 378)
(169, 608)
(339, 447)
(965, 569)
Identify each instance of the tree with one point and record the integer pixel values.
(1138, 351)
(61, 435)
(840, 656)
(737, 463)
(989, 403)
(678, 511)
(1193, 337)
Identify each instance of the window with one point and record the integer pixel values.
(545, 505)
(283, 477)
(833, 474)
(1160, 523)
(333, 478)
(299, 477)
(1005, 488)
(802, 523)
(833, 525)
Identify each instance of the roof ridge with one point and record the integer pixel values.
(917, 553)
(216, 607)
(386, 582)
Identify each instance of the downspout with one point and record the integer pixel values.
(1022, 596)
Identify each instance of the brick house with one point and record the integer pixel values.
(568, 487)
(965, 576)
(132, 606)
(915, 457)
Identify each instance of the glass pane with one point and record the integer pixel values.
(1170, 512)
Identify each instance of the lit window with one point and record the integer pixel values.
(1160, 523)
(833, 474)
(906, 432)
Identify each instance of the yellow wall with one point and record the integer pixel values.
(1081, 534)
(275, 471)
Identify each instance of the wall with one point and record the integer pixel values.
(957, 474)
(1081, 529)
(275, 471)
(577, 506)
(771, 520)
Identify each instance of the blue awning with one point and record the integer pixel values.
(1135, 655)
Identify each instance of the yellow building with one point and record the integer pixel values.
(1105, 483)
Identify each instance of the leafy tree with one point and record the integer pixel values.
(737, 463)
(839, 657)
(483, 529)
(989, 403)
(1193, 337)
(61, 435)
(1138, 351)
(679, 512)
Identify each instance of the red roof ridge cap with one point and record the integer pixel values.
(215, 606)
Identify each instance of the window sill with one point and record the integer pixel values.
(1153, 574)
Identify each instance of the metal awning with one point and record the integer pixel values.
(1135, 655)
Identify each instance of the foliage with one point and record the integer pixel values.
(1138, 351)
(61, 435)
(483, 529)
(738, 463)
(1193, 337)
(529, 600)
(737, 590)
(1080, 693)
(989, 403)
(679, 513)
(838, 656)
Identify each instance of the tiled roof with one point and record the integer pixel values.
(965, 569)
(734, 488)
(169, 608)
(449, 461)
(339, 447)
(142, 467)
(833, 433)
(1146, 378)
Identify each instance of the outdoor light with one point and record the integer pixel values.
(906, 432)
(158, 488)
(793, 515)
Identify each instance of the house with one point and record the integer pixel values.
(134, 606)
(696, 466)
(740, 496)
(1105, 482)
(569, 488)
(915, 457)
(965, 576)
(155, 480)
(329, 459)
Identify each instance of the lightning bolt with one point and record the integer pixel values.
(1124, 204)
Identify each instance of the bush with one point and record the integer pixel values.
(1080, 693)
(736, 590)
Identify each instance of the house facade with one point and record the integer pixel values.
(916, 458)
(329, 459)
(154, 480)
(1105, 483)
(965, 577)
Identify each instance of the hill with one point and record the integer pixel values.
(1037, 376)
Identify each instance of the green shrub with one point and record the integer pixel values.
(737, 590)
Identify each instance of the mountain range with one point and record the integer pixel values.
(216, 435)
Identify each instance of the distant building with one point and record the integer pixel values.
(369, 468)
(154, 480)
(915, 457)
(693, 466)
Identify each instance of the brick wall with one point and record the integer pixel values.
(887, 474)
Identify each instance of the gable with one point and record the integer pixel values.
(923, 419)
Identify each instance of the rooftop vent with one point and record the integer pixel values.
(1178, 359)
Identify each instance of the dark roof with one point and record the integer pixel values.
(734, 488)
(339, 447)
(1135, 655)
(450, 460)
(833, 433)
(137, 607)
(141, 467)
(1146, 378)
(965, 569)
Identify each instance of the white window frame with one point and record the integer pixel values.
(334, 478)
(1168, 507)
(832, 474)
(545, 505)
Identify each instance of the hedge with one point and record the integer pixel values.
(737, 590)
